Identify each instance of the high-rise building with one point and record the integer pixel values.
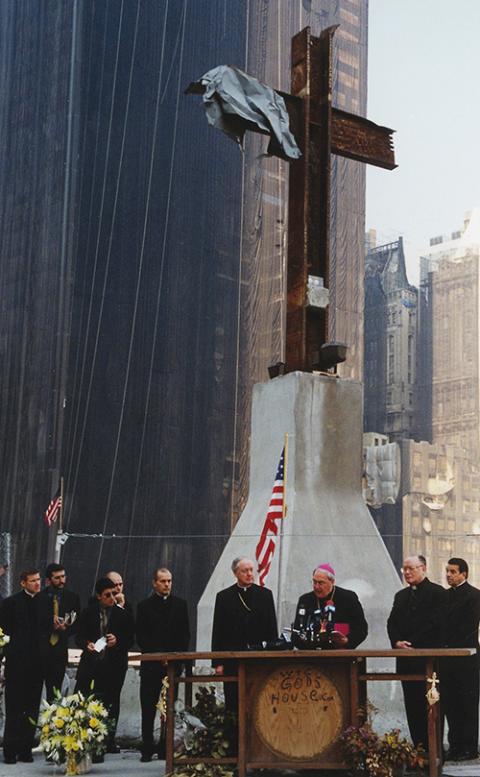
(391, 305)
(451, 289)
(438, 507)
(450, 272)
(143, 272)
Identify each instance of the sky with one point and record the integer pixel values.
(424, 82)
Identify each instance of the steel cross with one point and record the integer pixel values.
(320, 131)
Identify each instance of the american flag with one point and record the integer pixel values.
(53, 509)
(275, 513)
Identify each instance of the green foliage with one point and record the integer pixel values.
(202, 770)
(216, 740)
(379, 756)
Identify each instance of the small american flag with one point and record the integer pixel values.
(53, 509)
(276, 511)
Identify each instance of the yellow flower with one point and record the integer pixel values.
(45, 729)
(59, 722)
(63, 712)
(71, 743)
(96, 708)
(93, 722)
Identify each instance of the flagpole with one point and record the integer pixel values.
(284, 513)
(59, 534)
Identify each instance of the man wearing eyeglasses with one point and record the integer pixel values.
(417, 620)
(329, 611)
(105, 632)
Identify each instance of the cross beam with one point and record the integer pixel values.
(320, 131)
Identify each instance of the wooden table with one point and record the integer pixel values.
(294, 704)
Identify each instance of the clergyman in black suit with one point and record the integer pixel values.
(459, 681)
(244, 615)
(105, 664)
(19, 618)
(162, 627)
(349, 625)
(417, 620)
(60, 609)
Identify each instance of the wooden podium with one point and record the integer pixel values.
(293, 705)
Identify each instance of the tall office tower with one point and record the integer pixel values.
(391, 306)
(143, 268)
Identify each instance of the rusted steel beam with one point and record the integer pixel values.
(320, 131)
(309, 196)
(358, 138)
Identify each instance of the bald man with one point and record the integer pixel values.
(162, 627)
(417, 620)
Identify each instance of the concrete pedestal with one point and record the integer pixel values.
(327, 519)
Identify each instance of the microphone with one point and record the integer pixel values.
(301, 618)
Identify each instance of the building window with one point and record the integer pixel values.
(391, 358)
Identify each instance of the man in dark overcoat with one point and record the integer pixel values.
(162, 627)
(459, 681)
(417, 620)
(244, 615)
(349, 627)
(19, 619)
(59, 609)
(105, 664)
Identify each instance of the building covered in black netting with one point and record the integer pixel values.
(142, 273)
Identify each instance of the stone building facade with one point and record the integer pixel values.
(438, 509)
(391, 305)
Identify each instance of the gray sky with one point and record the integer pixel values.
(424, 82)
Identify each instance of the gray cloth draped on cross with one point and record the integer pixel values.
(232, 98)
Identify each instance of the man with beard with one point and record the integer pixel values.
(60, 609)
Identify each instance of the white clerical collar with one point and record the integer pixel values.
(28, 593)
(458, 586)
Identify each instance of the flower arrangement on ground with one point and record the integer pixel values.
(379, 756)
(4, 639)
(71, 728)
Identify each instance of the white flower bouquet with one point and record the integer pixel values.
(71, 728)
(4, 639)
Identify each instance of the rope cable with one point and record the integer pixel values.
(109, 254)
(139, 276)
(97, 248)
(159, 290)
(239, 296)
(78, 381)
